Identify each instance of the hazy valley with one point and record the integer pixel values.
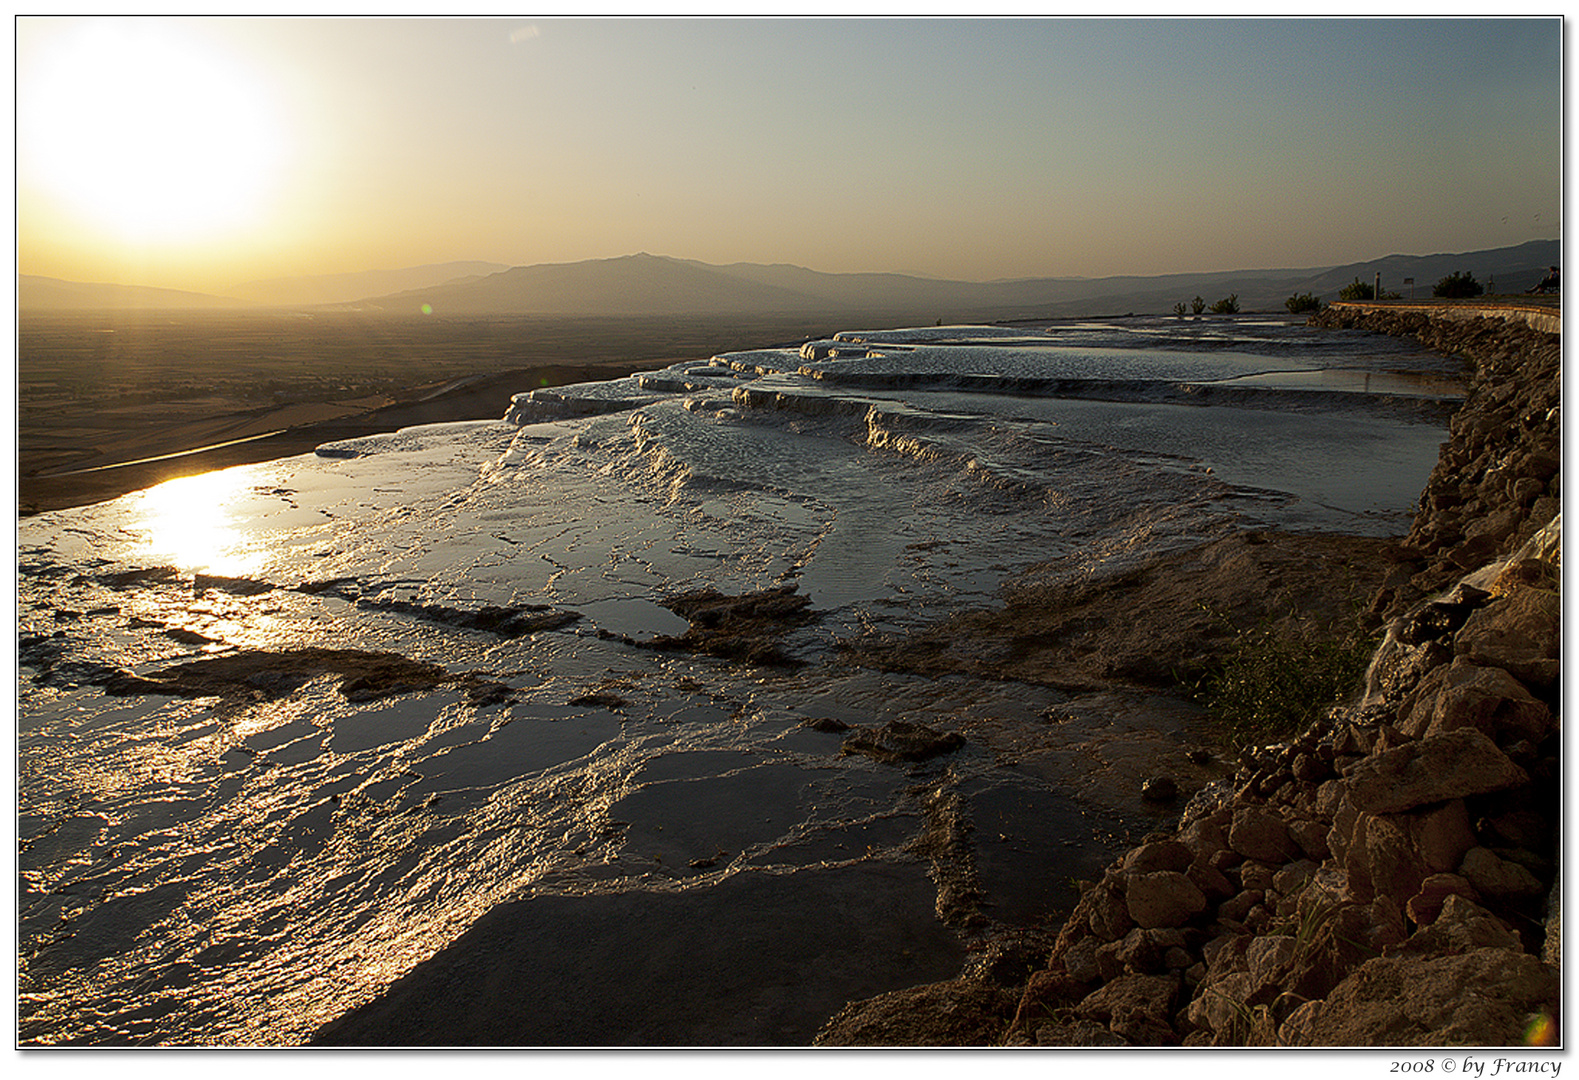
(110, 374)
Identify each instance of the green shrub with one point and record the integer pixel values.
(1197, 305)
(1458, 285)
(1227, 305)
(1358, 290)
(1302, 302)
(1276, 678)
(1179, 309)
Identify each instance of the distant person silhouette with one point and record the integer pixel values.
(1550, 283)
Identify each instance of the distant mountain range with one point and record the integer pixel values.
(653, 285)
(52, 294)
(345, 288)
(34, 293)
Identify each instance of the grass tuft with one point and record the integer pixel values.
(1277, 677)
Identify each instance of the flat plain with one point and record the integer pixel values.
(100, 393)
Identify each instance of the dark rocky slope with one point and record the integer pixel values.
(1388, 877)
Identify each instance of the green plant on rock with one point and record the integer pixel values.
(1302, 302)
(1227, 305)
(1311, 912)
(1275, 678)
(1244, 1021)
(1459, 285)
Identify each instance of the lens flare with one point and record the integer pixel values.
(1541, 1030)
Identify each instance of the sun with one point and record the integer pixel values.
(142, 128)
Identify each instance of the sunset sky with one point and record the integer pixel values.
(201, 153)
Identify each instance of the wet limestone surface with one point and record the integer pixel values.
(527, 800)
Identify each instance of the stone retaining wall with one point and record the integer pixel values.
(1547, 320)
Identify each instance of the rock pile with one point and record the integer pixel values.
(1407, 842)
(1389, 876)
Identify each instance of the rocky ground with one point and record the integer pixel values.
(1387, 877)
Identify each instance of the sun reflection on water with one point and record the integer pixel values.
(195, 523)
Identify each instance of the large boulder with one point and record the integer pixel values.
(1493, 876)
(1465, 694)
(1208, 834)
(1383, 854)
(1311, 836)
(1159, 855)
(1267, 953)
(1262, 834)
(1486, 997)
(1080, 960)
(1434, 769)
(1212, 882)
(1136, 1008)
(1109, 916)
(1163, 898)
(1442, 834)
(1150, 952)
(1519, 632)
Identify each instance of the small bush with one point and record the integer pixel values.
(1275, 679)
(1227, 305)
(1358, 290)
(1458, 285)
(1197, 305)
(1179, 309)
(1302, 302)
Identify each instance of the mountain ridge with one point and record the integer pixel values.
(658, 285)
(343, 288)
(38, 293)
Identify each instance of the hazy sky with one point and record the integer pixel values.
(199, 153)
